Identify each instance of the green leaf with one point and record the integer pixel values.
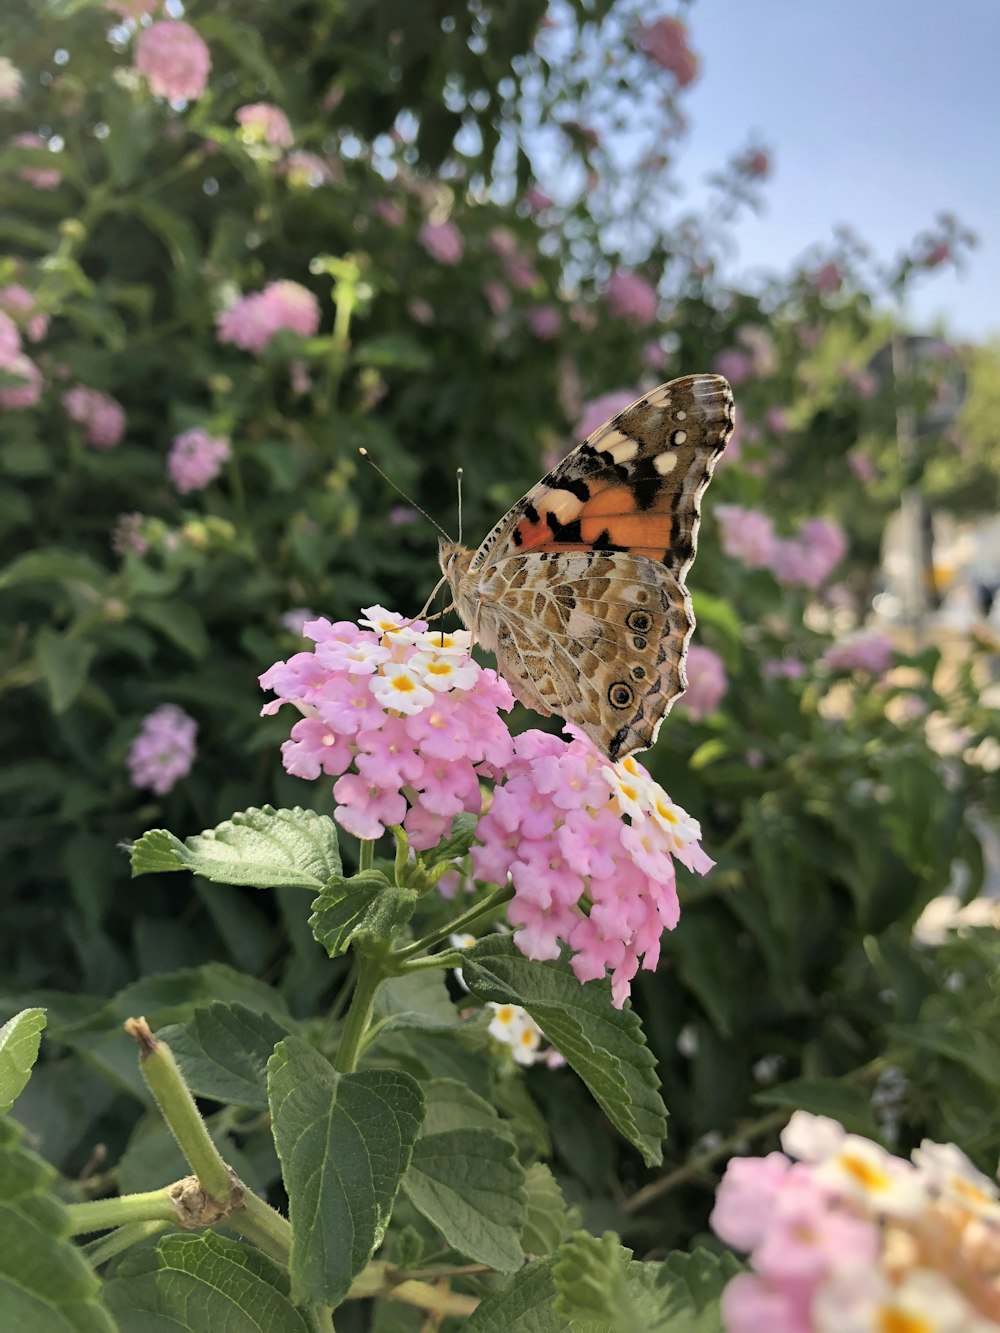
(393, 351)
(53, 566)
(202, 1284)
(547, 1223)
(452, 1105)
(524, 1303)
(345, 1142)
(64, 662)
(606, 1046)
(825, 1096)
(469, 1184)
(363, 910)
(260, 848)
(20, 1039)
(223, 1052)
(458, 841)
(46, 1285)
(179, 623)
(419, 1000)
(590, 1276)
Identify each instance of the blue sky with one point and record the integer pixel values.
(880, 115)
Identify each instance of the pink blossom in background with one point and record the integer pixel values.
(827, 279)
(300, 381)
(707, 682)
(253, 321)
(26, 394)
(733, 365)
(497, 297)
(304, 170)
(501, 241)
(196, 458)
(420, 311)
(869, 653)
(937, 254)
(174, 59)
(544, 322)
(264, 123)
(164, 750)
(19, 302)
(569, 829)
(776, 419)
(11, 82)
(863, 382)
(102, 416)
(653, 355)
(757, 164)
(602, 409)
(782, 668)
(402, 516)
(537, 200)
(127, 537)
(520, 272)
(631, 298)
(747, 535)
(759, 343)
(861, 466)
(584, 316)
(391, 211)
(42, 178)
(442, 241)
(10, 338)
(403, 718)
(665, 42)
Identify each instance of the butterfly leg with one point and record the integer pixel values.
(437, 588)
(438, 614)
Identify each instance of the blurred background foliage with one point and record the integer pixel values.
(537, 145)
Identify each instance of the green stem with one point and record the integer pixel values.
(370, 976)
(106, 1247)
(178, 1109)
(488, 904)
(366, 855)
(258, 1222)
(103, 1214)
(321, 1318)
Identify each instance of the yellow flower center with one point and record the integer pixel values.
(505, 1014)
(665, 812)
(440, 669)
(403, 683)
(967, 1190)
(897, 1321)
(869, 1176)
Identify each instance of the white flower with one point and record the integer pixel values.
(863, 1301)
(632, 788)
(397, 630)
(863, 1171)
(455, 642)
(465, 941)
(11, 81)
(946, 1169)
(812, 1138)
(360, 659)
(400, 688)
(442, 673)
(515, 1027)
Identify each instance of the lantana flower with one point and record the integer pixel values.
(164, 750)
(851, 1239)
(252, 321)
(175, 60)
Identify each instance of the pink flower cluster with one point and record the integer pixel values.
(806, 560)
(102, 416)
(253, 321)
(850, 1239)
(632, 299)
(707, 683)
(544, 322)
(196, 458)
(174, 59)
(442, 241)
(42, 178)
(20, 304)
(665, 42)
(264, 123)
(14, 363)
(164, 750)
(406, 710)
(868, 653)
(570, 830)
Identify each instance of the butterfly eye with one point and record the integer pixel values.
(620, 695)
(640, 621)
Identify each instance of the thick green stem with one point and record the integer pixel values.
(106, 1247)
(103, 1214)
(366, 855)
(178, 1109)
(258, 1222)
(370, 976)
(488, 904)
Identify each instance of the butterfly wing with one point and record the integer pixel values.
(634, 485)
(580, 588)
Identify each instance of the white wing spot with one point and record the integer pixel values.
(564, 504)
(665, 463)
(678, 437)
(621, 447)
(680, 416)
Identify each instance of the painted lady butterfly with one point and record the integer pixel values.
(579, 590)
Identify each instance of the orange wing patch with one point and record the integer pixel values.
(609, 518)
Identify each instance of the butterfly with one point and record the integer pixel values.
(579, 589)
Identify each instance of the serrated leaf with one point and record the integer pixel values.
(606, 1046)
(547, 1223)
(46, 1285)
(470, 1186)
(20, 1039)
(223, 1052)
(345, 1142)
(64, 662)
(458, 841)
(590, 1275)
(681, 1294)
(363, 909)
(260, 848)
(202, 1284)
(524, 1303)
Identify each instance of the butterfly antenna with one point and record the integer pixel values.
(399, 491)
(458, 478)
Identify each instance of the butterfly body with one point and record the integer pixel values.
(579, 589)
